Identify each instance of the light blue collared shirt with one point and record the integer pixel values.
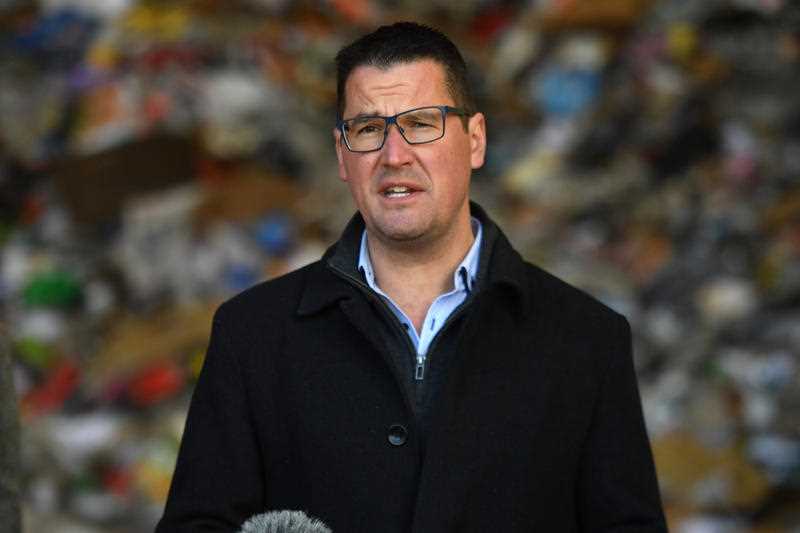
(441, 308)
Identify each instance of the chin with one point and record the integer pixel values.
(403, 226)
(402, 233)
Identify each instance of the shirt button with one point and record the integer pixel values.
(397, 435)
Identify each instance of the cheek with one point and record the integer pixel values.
(358, 175)
(353, 167)
(456, 165)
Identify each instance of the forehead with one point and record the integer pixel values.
(401, 86)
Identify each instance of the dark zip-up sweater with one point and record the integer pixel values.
(442, 351)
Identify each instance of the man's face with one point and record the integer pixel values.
(436, 174)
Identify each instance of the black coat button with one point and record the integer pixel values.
(398, 435)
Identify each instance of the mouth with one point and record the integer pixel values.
(398, 191)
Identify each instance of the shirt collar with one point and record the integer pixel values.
(464, 275)
(499, 266)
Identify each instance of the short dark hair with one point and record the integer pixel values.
(404, 42)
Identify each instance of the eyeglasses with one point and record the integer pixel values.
(417, 126)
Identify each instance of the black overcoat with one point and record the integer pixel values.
(539, 426)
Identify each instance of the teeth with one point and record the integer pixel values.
(397, 191)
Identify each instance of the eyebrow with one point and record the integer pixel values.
(365, 114)
(373, 113)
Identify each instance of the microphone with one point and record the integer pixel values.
(284, 522)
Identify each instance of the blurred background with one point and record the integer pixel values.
(158, 157)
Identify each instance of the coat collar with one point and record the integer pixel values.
(499, 267)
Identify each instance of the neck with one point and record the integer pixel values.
(414, 275)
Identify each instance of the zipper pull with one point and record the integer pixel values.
(419, 372)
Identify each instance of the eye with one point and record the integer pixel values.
(420, 121)
(369, 128)
(366, 127)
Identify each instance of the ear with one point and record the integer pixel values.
(477, 139)
(337, 139)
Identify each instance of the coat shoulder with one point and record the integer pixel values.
(271, 299)
(567, 302)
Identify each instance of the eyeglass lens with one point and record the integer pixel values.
(416, 126)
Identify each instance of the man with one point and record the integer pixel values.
(420, 376)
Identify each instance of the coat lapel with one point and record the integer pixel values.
(360, 314)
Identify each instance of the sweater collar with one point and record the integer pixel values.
(499, 266)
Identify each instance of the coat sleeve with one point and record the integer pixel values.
(618, 490)
(218, 481)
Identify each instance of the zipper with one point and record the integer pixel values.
(419, 371)
(366, 289)
(421, 359)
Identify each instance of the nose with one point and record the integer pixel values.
(396, 152)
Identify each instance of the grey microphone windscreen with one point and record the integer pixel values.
(284, 522)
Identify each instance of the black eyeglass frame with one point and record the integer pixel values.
(444, 109)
